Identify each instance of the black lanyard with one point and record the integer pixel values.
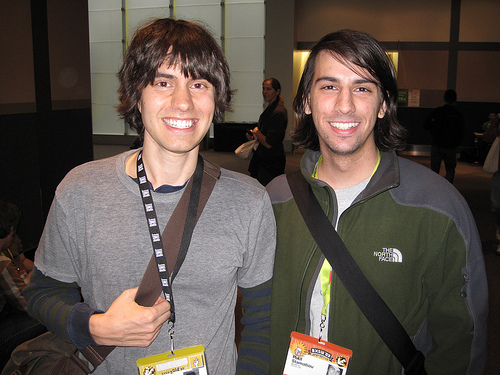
(154, 230)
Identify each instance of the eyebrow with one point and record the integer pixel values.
(164, 75)
(171, 76)
(336, 80)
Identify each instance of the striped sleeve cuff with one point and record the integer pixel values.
(78, 325)
(253, 355)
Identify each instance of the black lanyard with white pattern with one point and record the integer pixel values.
(154, 230)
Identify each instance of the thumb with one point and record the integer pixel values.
(130, 293)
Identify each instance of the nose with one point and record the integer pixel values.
(182, 99)
(344, 103)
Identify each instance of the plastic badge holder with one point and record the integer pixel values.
(309, 356)
(189, 361)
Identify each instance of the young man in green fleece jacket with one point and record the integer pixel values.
(173, 82)
(409, 230)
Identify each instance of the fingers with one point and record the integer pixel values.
(126, 323)
(161, 310)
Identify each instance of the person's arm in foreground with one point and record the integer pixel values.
(253, 356)
(57, 305)
(458, 306)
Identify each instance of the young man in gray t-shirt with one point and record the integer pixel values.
(173, 83)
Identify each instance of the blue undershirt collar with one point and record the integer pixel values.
(163, 188)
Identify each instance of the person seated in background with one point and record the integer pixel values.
(15, 253)
(485, 125)
(16, 326)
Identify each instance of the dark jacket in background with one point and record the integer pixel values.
(272, 123)
(446, 125)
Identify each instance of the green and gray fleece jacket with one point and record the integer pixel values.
(414, 237)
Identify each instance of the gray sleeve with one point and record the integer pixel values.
(259, 258)
(55, 256)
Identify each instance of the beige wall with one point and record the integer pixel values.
(69, 53)
(405, 20)
(279, 51)
(68, 49)
(288, 22)
(414, 67)
(479, 21)
(17, 77)
(421, 21)
(389, 20)
(478, 77)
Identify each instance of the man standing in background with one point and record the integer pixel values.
(446, 125)
(16, 326)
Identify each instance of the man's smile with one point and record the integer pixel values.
(179, 124)
(344, 125)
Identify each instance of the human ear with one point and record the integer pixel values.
(382, 109)
(307, 107)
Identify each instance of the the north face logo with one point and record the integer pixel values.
(389, 254)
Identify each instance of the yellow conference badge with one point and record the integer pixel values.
(188, 361)
(307, 355)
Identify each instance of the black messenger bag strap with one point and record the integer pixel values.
(174, 236)
(362, 292)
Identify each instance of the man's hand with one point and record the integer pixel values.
(128, 324)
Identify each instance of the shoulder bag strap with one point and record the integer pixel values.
(176, 234)
(362, 292)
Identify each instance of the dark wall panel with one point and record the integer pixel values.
(23, 182)
(475, 114)
(20, 173)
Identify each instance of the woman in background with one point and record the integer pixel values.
(268, 160)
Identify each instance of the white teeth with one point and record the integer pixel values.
(180, 124)
(344, 125)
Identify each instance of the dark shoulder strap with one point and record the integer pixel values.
(362, 292)
(175, 235)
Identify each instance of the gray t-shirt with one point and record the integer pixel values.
(96, 235)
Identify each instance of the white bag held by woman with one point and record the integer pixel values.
(491, 162)
(245, 151)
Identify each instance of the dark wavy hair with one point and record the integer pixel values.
(353, 49)
(275, 84)
(179, 43)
